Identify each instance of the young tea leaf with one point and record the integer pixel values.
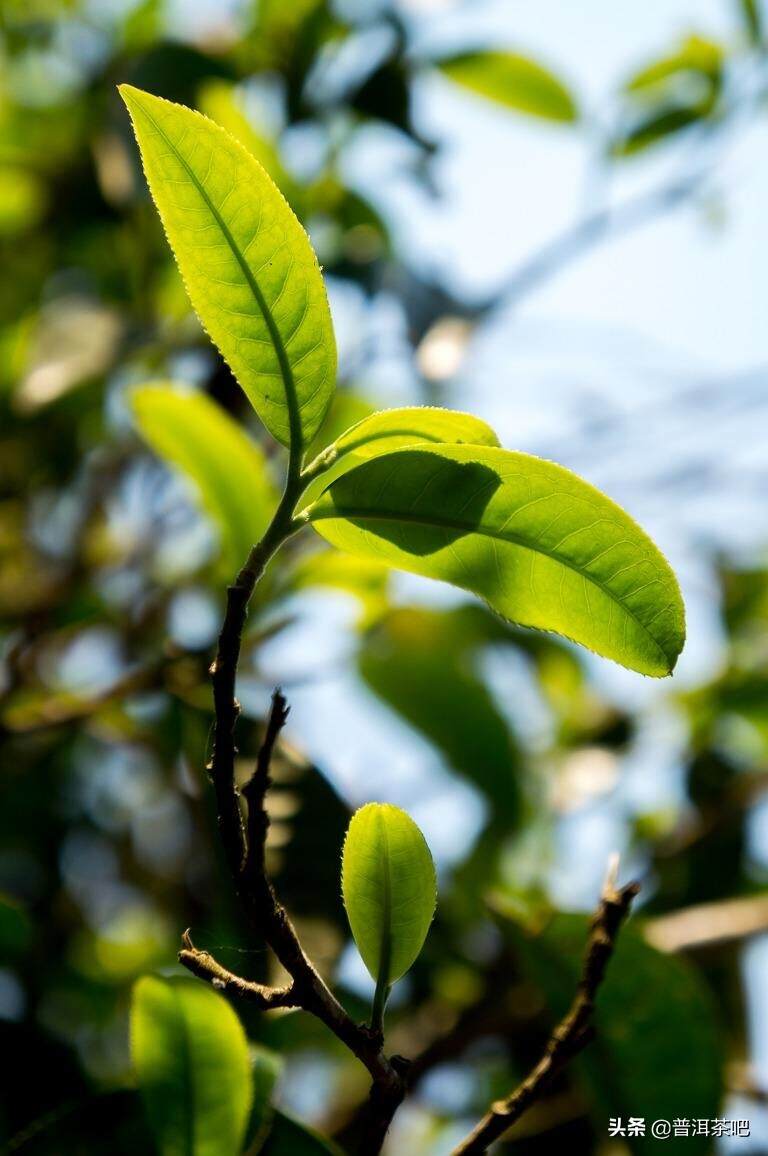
(393, 429)
(514, 81)
(248, 266)
(228, 471)
(190, 1056)
(541, 546)
(420, 423)
(390, 890)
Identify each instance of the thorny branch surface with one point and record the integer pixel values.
(574, 1031)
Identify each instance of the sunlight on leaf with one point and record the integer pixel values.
(392, 429)
(696, 58)
(670, 94)
(346, 409)
(248, 266)
(190, 1056)
(389, 887)
(544, 548)
(219, 100)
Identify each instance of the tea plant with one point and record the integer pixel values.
(424, 490)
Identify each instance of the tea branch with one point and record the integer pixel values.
(244, 846)
(574, 1031)
(205, 967)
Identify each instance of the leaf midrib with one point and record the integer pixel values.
(467, 528)
(294, 415)
(385, 962)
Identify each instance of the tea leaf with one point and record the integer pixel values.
(190, 1056)
(544, 548)
(247, 264)
(388, 881)
(392, 429)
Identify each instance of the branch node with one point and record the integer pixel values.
(245, 849)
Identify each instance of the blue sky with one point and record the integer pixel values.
(511, 183)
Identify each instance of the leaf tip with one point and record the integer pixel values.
(129, 95)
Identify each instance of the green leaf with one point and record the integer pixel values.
(696, 58)
(657, 127)
(190, 1056)
(657, 1053)
(393, 429)
(289, 1138)
(671, 94)
(389, 888)
(420, 662)
(514, 81)
(218, 99)
(541, 546)
(247, 264)
(226, 468)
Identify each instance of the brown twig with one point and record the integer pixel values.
(204, 966)
(573, 1032)
(255, 790)
(226, 713)
(244, 846)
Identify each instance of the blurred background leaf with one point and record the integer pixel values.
(229, 472)
(514, 81)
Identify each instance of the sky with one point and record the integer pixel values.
(511, 183)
